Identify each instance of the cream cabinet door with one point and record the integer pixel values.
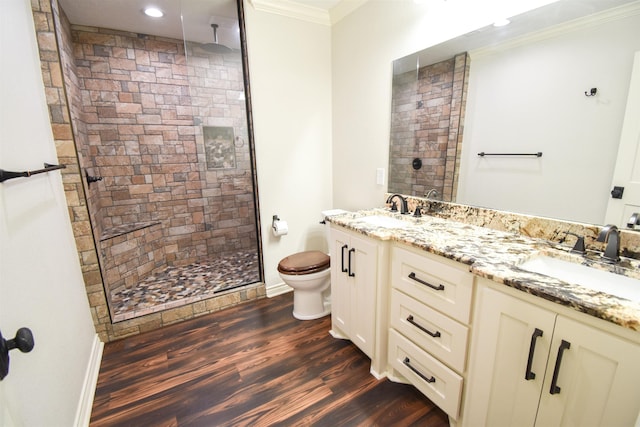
(363, 293)
(353, 288)
(508, 359)
(527, 360)
(597, 379)
(340, 292)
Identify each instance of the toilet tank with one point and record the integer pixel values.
(327, 228)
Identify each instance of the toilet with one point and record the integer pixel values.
(309, 273)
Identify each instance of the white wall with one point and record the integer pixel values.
(290, 69)
(364, 44)
(321, 101)
(41, 285)
(530, 98)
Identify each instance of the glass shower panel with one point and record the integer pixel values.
(220, 125)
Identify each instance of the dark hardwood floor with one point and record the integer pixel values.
(253, 364)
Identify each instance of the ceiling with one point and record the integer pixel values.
(321, 4)
(198, 15)
(553, 15)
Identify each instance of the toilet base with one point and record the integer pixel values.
(310, 305)
(311, 294)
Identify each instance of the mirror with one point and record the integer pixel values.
(519, 89)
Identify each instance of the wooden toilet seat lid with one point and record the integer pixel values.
(304, 263)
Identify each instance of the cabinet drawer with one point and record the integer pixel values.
(439, 383)
(437, 283)
(441, 336)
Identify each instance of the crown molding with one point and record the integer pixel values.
(297, 10)
(294, 10)
(614, 14)
(344, 8)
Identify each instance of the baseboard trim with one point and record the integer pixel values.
(377, 375)
(337, 334)
(278, 289)
(83, 414)
(397, 378)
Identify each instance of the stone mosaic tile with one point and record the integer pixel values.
(175, 286)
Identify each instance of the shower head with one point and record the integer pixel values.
(216, 47)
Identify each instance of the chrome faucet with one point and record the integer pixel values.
(404, 209)
(634, 220)
(611, 236)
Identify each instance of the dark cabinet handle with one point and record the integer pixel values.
(435, 334)
(528, 374)
(344, 270)
(351, 273)
(412, 276)
(407, 363)
(564, 345)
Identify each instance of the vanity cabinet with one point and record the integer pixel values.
(429, 324)
(354, 271)
(538, 366)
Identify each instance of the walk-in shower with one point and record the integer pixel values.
(165, 150)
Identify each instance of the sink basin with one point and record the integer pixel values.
(587, 277)
(383, 221)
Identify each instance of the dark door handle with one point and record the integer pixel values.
(407, 363)
(435, 334)
(412, 276)
(528, 374)
(351, 273)
(344, 270)
(564, 345)
(23, 341)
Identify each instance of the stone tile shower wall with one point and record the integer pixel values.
(79, 127)
(218, 102)
(427, 117)
(137, 143)
(62, 89)
(144, 107)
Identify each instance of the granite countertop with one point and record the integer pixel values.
(496, 255)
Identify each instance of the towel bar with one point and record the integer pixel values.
(482, 154)
(6, 175)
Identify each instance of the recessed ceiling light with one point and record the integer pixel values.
(501, 22)
(154, 12)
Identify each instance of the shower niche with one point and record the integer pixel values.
(164, 121)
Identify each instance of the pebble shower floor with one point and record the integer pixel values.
(176, 286)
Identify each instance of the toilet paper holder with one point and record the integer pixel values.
(279, 227)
